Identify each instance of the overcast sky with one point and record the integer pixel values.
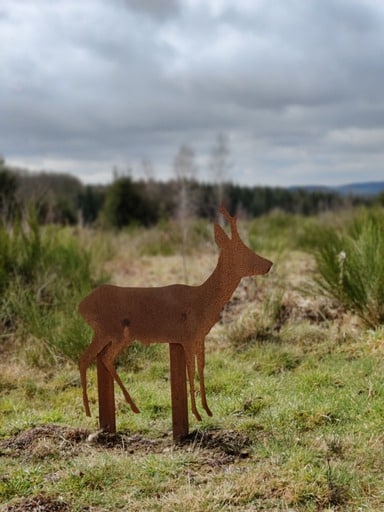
(296, 85)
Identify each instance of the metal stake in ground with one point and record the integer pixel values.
(106, 395)
(178, 371)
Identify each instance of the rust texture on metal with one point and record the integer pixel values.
(179, 400)
(106, 396)
(178, 314)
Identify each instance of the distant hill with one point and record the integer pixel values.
(369, 188)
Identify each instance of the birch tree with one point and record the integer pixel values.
(185, 171)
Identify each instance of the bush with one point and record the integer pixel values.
(8, 188)
(126, 203)
(279, 231)
(44, 273)
(351, 265)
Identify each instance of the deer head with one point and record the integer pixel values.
(237, 257)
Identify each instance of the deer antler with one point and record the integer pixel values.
(232, 220)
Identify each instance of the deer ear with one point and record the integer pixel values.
(221, 237)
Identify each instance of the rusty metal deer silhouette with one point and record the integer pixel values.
(177, 313)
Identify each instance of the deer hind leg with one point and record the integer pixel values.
(200, 356)
(108, 358)
(96, 346)
(190, 363)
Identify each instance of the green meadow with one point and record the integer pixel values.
(294, 372)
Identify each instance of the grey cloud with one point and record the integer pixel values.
(123, 80)
(312, 59)
(305, 52)
(158, 9)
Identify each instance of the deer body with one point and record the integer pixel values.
(169, 307)
(170, 314)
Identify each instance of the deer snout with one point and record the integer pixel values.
(263, 266)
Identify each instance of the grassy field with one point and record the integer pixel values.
(294, 380)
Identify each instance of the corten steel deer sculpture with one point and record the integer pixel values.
(170, 314)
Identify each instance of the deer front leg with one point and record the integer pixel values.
(90, 354)
(200, 356)
(108, 358)
(190, 363)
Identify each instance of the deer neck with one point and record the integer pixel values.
(217, 290)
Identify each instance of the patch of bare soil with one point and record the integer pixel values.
(46, 440)
(219, 446)
(130, 443)
(39, 503)
(43, 440)
(215, 447)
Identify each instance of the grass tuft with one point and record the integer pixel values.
(351, 265)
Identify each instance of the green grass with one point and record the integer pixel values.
(315, 430)
(297, 400)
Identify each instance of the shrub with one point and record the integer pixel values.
(126, 203)
(351, 265)
(44, 273)
(8, 188)
(279, 230)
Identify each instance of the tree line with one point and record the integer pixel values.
(64, 199)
